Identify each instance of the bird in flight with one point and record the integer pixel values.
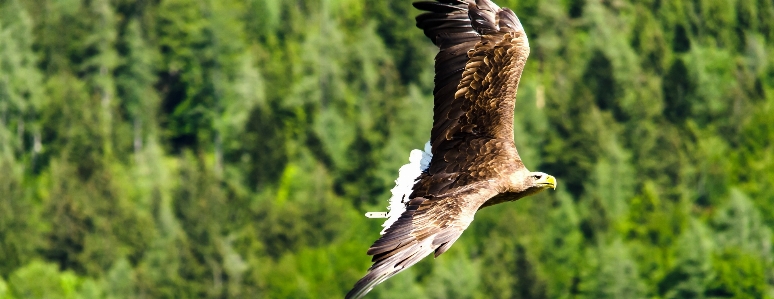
(471, 161)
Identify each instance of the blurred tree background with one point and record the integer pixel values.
(228, 149)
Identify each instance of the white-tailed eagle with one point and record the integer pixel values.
(471, 161)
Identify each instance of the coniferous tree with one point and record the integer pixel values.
(182, 148)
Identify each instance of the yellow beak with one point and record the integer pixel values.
(548, 181)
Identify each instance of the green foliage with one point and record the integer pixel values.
(43, 280)
(211, 149)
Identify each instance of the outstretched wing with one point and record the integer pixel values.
(483, 49)
(429, 224)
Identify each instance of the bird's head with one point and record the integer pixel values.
(535, 182)
(541, 180)
(525, 183)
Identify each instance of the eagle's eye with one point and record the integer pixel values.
(537, 176)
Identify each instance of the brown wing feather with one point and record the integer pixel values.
(482, 52)
(429, 224)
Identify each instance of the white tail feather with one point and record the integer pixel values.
(419, 161)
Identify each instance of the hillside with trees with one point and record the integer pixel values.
(229, 149)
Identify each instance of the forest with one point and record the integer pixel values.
(229, 149)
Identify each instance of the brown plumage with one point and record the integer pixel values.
(482, 52)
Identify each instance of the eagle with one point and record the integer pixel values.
(471, 160)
